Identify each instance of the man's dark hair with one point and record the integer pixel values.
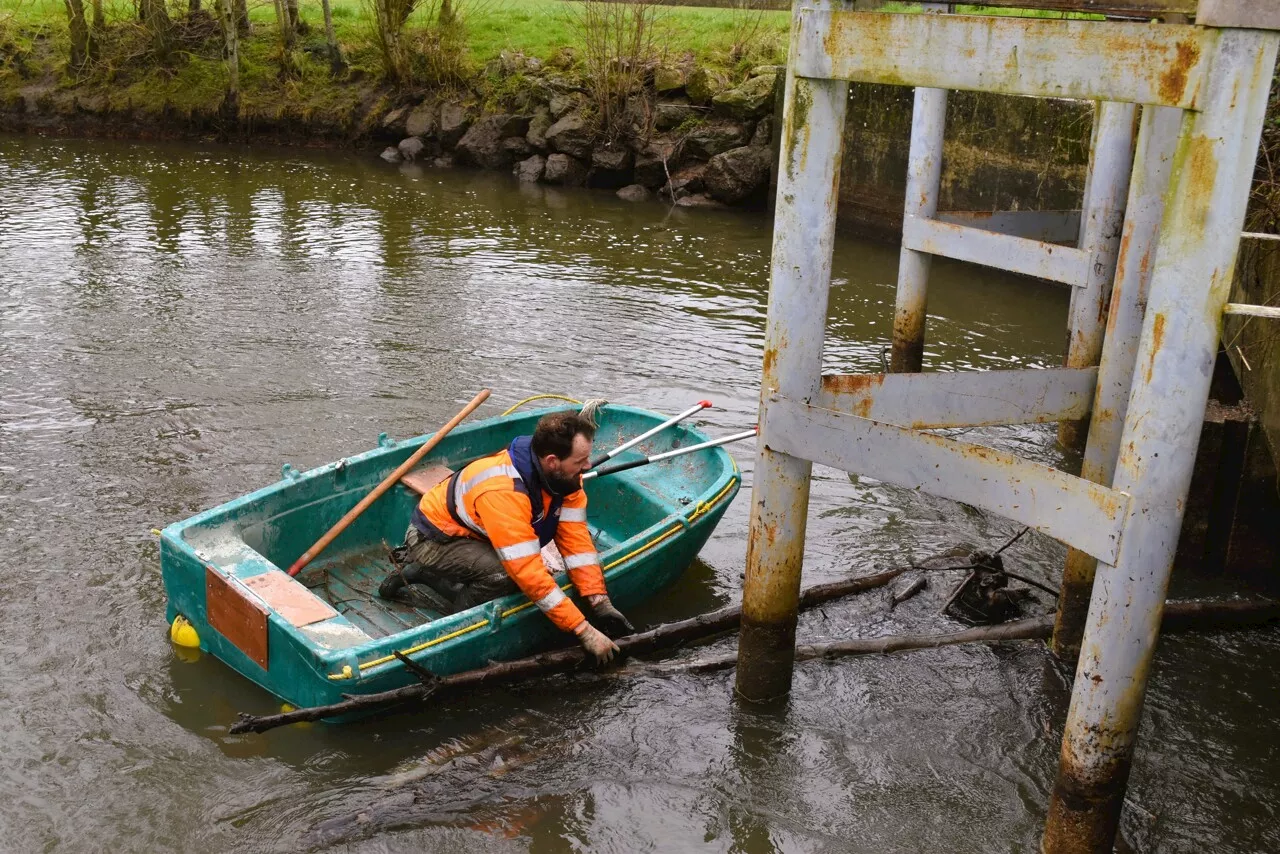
(554, 433)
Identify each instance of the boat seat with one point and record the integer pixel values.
(421, 480)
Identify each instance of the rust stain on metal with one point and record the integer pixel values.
(1174, 80)
(860, 388)
(1157, 341)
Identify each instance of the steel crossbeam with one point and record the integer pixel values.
(1162, 64)
(1064, 264)
(962, 398)
(1046, 226)
(1076, 511)
(1173, 219)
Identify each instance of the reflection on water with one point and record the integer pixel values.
(176, 322)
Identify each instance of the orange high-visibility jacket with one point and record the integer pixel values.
(492, 501)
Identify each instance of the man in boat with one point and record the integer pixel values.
(480, 533)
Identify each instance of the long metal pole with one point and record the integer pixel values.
(1199, 239)
(1157, 140)
(653, 431)
(924, 178)
(803, 241)
(1101, 220)
(666, 455)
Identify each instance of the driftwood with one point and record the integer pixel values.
(1178, 617)
(566, 660)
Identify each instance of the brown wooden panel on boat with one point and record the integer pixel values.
(421, 480)
(298, 605)
(237, 617)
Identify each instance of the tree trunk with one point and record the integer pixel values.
(240, 9)
(295, 23)
(336, 62)
(285, 23)
(564, 660)
(81, 42)
(391, 15)
(226, 11)
(99, 17)
(155, 17)
(1178, 616)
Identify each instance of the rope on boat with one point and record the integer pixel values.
(590, 409)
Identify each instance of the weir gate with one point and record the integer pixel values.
(1180, 89)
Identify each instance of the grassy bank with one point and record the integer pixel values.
(35, 47)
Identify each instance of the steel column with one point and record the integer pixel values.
(1199, 239)
(1101, 220)
(924, 177)
(804, 238)
(1157, 140)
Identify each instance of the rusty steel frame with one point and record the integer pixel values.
(800, 280)
(1101, 221)
(962, 398)
(1066, 265)
(924, 177)
(1161, 64)
(1157, 140)
(1156, 360)
(1046, 226)
(1083, 514)
(1197, 246)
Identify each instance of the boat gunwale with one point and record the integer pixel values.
(445, 631)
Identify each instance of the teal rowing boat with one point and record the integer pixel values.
(326, 633)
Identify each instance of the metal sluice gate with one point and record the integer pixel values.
(1149, 258)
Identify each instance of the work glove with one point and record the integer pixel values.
(609, 618)
(596, 643)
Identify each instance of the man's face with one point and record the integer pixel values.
(564, 475)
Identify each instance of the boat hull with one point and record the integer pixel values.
(307, 645)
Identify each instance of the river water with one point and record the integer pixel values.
(177, 322)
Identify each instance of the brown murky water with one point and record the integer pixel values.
(176, 322)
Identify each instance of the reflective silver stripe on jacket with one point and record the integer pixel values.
(524, 549)
(573, 514)
(465, 486)
(584, 559)
(552, 599)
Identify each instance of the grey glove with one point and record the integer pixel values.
(594, 642)
(610, 619)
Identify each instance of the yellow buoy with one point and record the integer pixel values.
(285, 708)
(183, 633)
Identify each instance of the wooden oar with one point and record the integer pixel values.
(386, 484)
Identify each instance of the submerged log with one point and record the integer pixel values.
(1178, 617)
(566, 660)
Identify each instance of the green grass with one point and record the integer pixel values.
(34, 46)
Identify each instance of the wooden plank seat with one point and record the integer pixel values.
(421, 480)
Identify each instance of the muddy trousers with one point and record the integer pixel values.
(465, 570)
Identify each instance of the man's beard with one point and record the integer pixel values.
(560, 484)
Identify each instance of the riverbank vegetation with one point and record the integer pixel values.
(324, 57)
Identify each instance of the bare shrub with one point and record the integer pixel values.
(748, 27)
(620, 47)
(1264, 203)
(435, 53)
